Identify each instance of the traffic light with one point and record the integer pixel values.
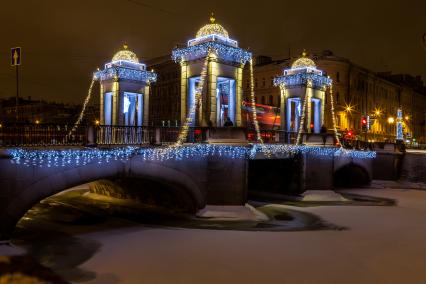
(364, 124)
(350, 134)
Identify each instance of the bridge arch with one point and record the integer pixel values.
(40, 183)
(351, 175)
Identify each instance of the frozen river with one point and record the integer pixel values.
(329, 244)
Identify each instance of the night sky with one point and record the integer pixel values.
(64, 41)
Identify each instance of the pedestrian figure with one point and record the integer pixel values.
(228, 122)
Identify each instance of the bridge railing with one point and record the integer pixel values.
(41, 135)
(35, 135)
(139, 135)
(272, 136)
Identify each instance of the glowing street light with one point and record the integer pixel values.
(349, 108)
(37, 121)
(97, 122)
(407, 117)
(391, 120)
(377, 112)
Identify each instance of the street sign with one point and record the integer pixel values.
(15, 59)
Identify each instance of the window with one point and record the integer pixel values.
(263, 82)
(337, 98)
(271, 100)
(263, 100)
(337, 77)
(255, 83)
(272, 81)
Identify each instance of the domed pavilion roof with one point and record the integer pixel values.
(303, 62)
(125, 54)
(212, 29)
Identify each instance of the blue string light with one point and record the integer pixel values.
(318, 80)
(223, 51)
(125, 73)
(57, 158)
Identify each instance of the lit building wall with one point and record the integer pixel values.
(361, 89)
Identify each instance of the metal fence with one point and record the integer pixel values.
(34, 135)
(41, 135)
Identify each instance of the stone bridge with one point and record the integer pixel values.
(206, 174)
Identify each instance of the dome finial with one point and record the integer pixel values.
(125, 45)
(304, 53)
(212, 18)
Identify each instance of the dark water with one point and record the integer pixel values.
(50, 231)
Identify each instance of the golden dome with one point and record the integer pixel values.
(303, 61)
(212, 28)
(125, 54)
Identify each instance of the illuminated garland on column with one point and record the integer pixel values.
(399, 132)
(86, 101)
(197, 101)
(302, 118)
(333, 116)
(253, 104)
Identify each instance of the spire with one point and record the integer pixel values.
(212, 18)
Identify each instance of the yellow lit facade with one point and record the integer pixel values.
(363, 91)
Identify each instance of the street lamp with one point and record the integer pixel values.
(37, 121)
(97, 122)
(391, 120)
(377, 112)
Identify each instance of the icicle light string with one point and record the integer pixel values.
(81, 157)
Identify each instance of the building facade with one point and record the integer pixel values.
(357, 92)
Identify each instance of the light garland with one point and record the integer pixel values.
(399, 132)
(223, 51)
(119, 72)
(289, 150)
(81, 157)
(302, 117)
(318, 80)
(86, 101)
(333, 117)
(183, 134)
(253, 104)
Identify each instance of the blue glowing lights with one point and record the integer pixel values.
(58, 158)
(118, 72)
(222, 51)
(302, 78)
